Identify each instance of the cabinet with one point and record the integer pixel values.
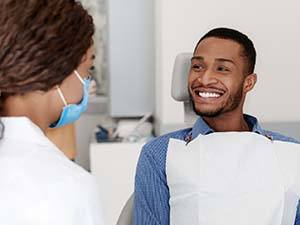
(113, 165)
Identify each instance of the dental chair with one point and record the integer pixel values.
(179, 89)
(179, 92)
(125, 217)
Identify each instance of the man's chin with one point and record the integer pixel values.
(209, 114)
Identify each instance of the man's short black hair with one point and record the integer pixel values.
(226, 33)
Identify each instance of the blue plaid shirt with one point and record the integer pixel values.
(151, 195)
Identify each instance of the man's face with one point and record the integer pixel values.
(216, 79)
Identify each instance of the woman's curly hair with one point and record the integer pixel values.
(41, 43)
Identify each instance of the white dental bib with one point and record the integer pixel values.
(233, 178)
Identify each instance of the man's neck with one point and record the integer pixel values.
(227, 122)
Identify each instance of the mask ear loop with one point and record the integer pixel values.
(61, 96)
(79, 77)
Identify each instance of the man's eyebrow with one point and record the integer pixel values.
(197, 58)
(225, 60)
(217, 59)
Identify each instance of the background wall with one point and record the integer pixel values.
(273, 27)
(130, 57)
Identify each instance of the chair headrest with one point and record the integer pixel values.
(180, 77)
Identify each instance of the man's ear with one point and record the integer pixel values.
(250, 82)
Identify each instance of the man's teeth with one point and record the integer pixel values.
(209, 95)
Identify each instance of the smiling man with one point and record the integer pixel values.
(221, 75)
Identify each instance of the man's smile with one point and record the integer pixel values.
(207, 94)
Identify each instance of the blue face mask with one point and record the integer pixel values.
(72, 112)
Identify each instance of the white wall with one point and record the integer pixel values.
(274, 28)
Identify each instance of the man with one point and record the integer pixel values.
(221, 75)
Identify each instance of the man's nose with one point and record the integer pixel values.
(207, 78)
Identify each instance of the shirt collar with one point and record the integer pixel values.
(254, 124)
(201, 127)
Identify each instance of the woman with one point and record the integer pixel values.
(46, 50)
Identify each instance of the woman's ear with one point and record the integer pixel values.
(84, 57)
(250, 82)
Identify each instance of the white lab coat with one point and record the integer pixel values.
(38, 184)
(238, 178)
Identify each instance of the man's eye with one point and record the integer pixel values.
(197, 67)
(222, 69)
